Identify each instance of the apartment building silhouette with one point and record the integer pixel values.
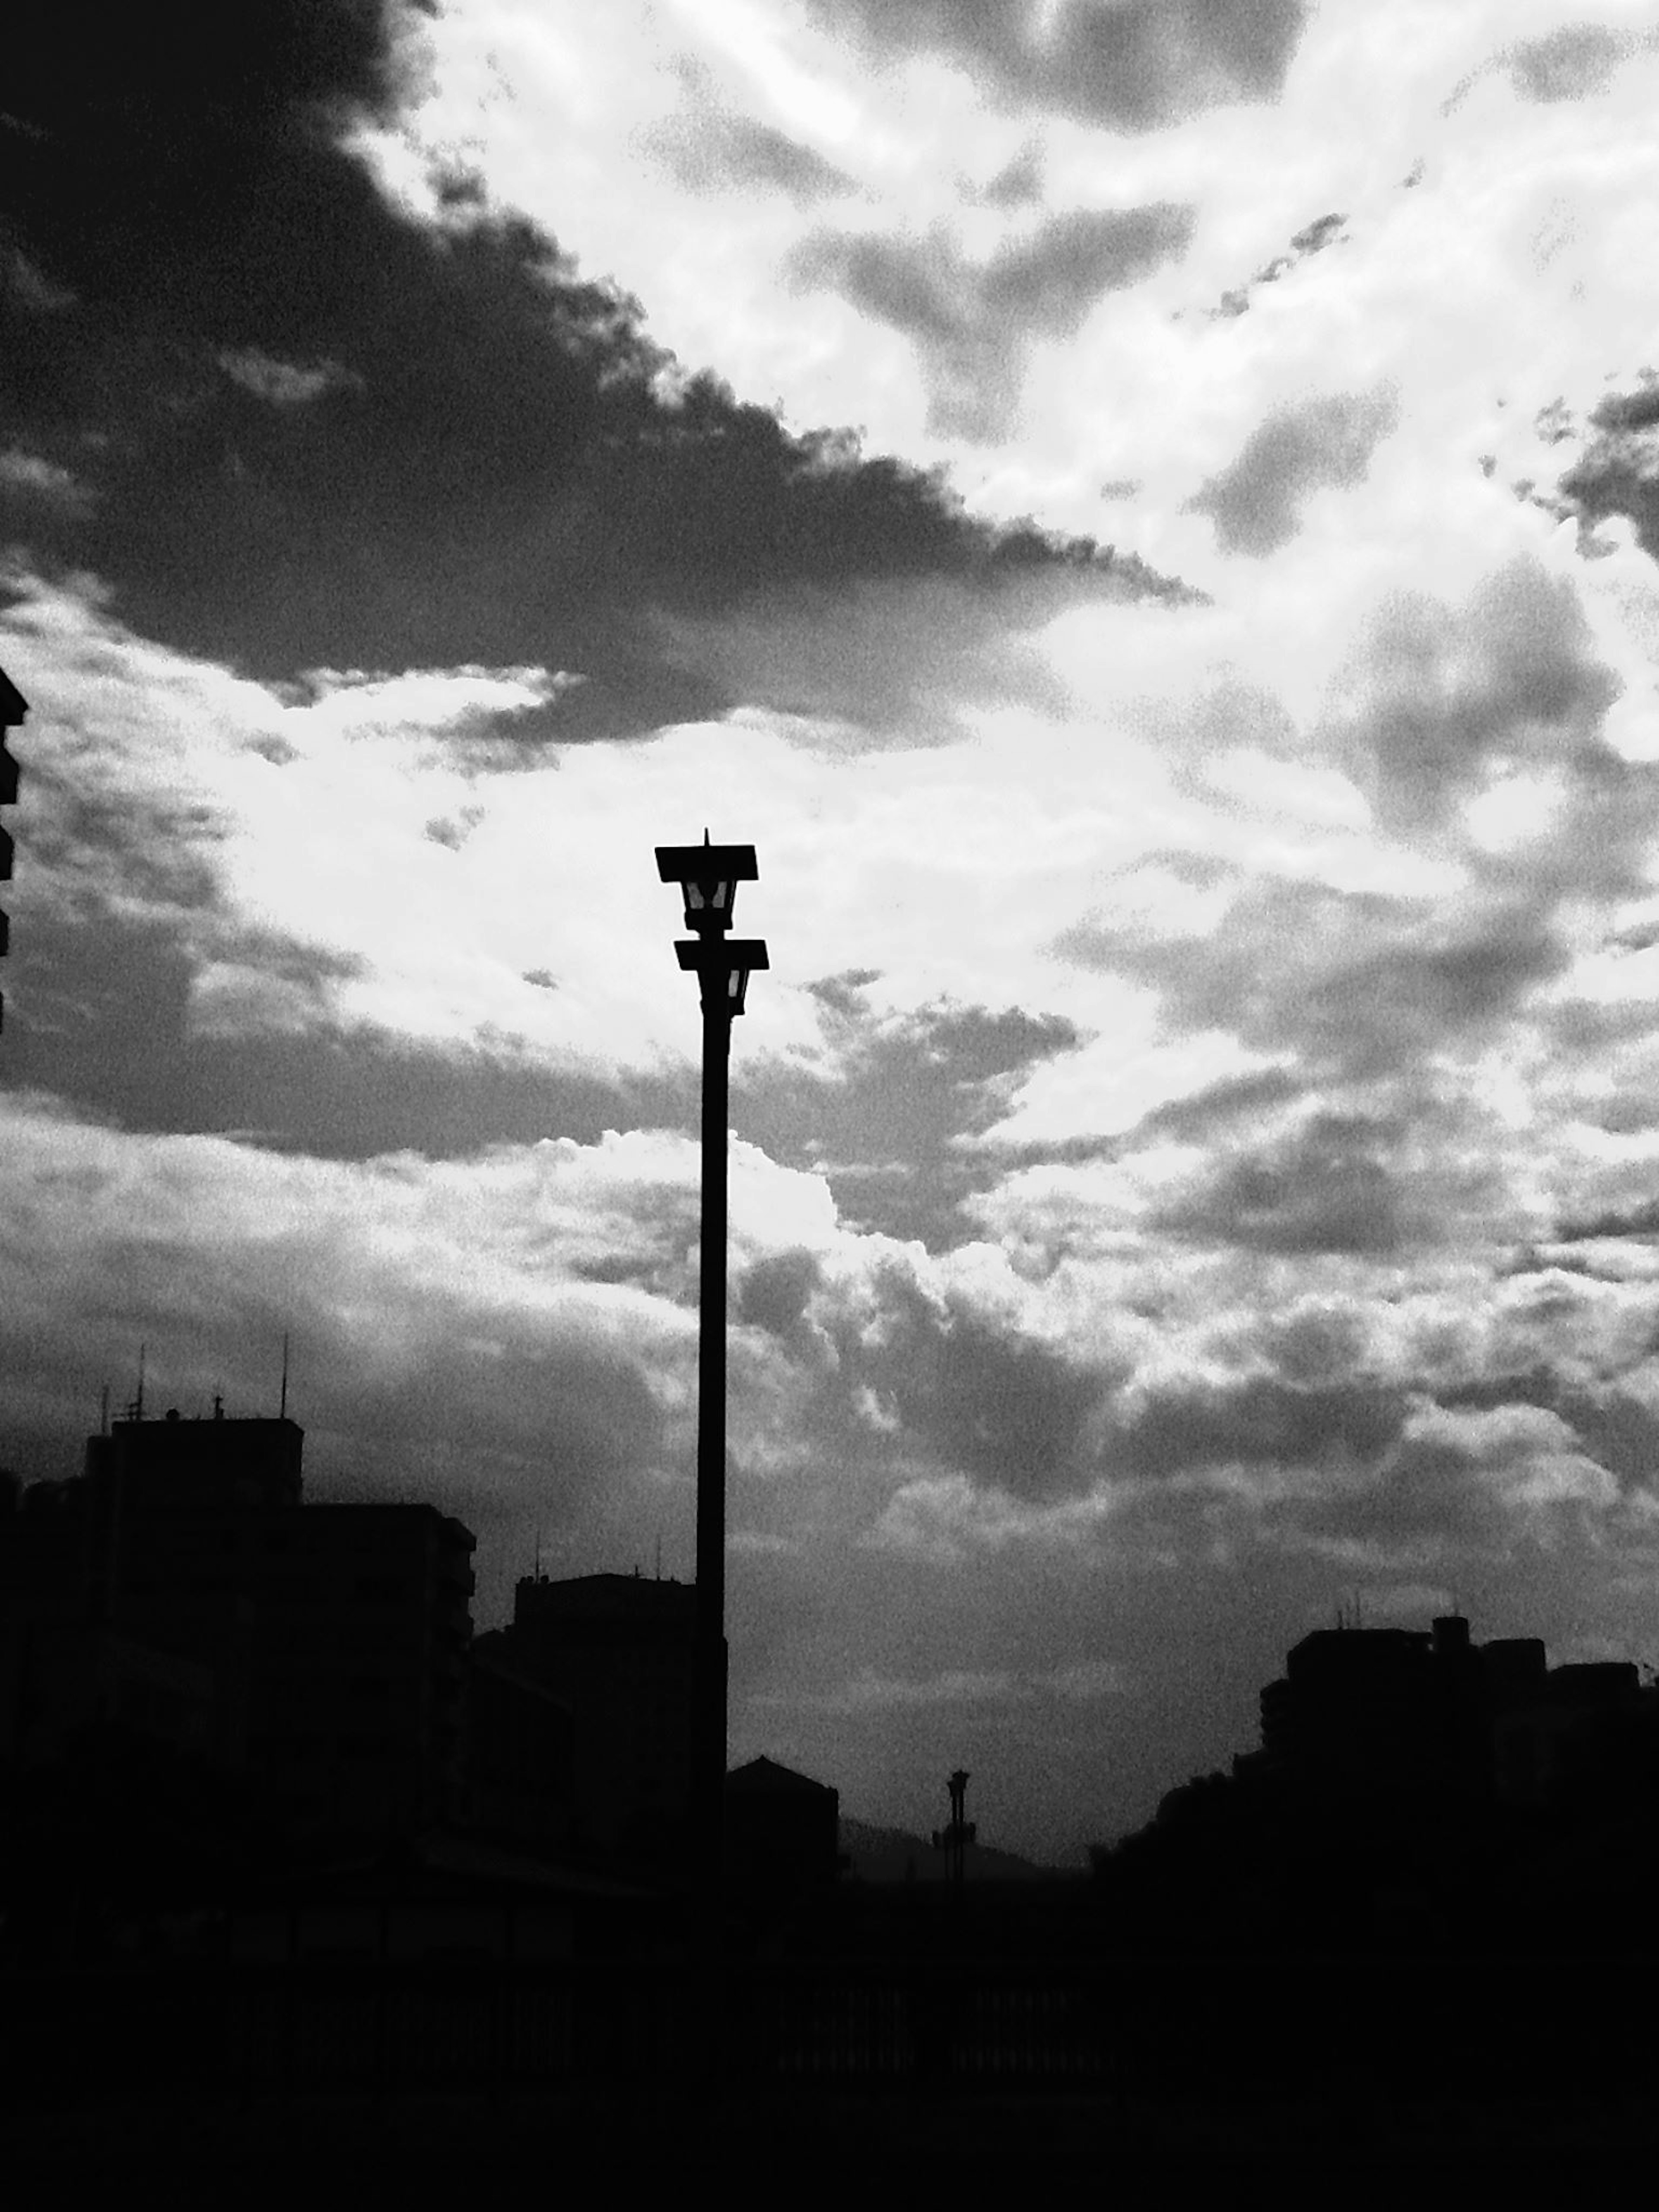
(1392, 1715)
(615, 1651)
(180, 1592)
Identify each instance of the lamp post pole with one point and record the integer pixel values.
(708, 1690)
(708, 876)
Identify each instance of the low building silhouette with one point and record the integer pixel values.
(782, 1830)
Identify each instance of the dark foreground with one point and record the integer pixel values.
(340, 2149)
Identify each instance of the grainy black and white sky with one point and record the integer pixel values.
(1145, 512)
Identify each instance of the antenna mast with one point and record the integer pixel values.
(282, 1403)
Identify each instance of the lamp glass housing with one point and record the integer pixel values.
(704, 898)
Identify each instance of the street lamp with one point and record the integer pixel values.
(708, 876)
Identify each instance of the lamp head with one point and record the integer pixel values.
(723, 968)
(708, 876)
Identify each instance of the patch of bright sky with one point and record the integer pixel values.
(561, 122)
(349, 824)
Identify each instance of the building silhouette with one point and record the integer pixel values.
(615, 1651)
(782, 1830)
(179, 1589)
(519, 1757)
(1390, 1715)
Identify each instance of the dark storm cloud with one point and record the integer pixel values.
(532, 1429)
(1629, 411)
(1204, 1114)
(433, 444)
(972, 323)
(1370, 1185)
(1617, 1430)
(1511, 678)
(972, 1393)
(1018, 183)
(844, 993)
(1355, 984)
(1319, 1343)
(1464, 1481)
(897, 663)
(113, 1016)
(1313, 238)
(774, 1292)
(1331, 1188)
(1572, 63)
(883, 1131)
(1256, 500)
(713, 152)
(1641, 1220)
(1452, 978)
(1131, 64)
(1258, 1420)
(1617, 471)
(709, 148)
(1434, 1491)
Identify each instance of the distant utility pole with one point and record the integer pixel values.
(955, 1840)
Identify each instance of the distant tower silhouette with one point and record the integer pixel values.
(961, 1832)
(135, 1409)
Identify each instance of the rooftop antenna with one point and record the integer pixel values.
(282, 1403)
(136, 1409)
(103, 1411)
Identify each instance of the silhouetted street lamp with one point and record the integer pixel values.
(708, 875)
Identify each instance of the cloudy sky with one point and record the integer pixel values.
(1145, 514)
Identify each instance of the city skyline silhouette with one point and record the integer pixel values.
(183, 1593)
(276, 1825)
